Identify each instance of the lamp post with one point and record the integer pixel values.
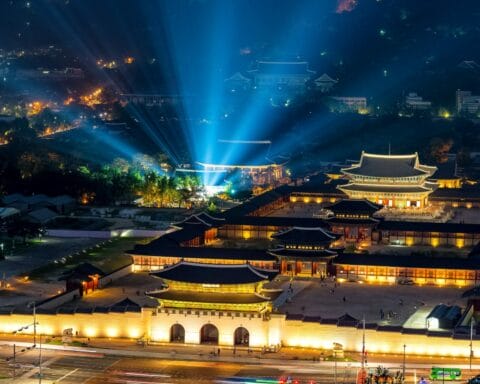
(471, 342)
(34, 324)
(335, 359)
(404, 360)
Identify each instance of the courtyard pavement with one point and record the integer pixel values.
(398, 302)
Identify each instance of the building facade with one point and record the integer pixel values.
(394, 181)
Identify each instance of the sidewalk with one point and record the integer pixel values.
(286, 356)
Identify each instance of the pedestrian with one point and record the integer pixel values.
(218, 351)
(344, 299)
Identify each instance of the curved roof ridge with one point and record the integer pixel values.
(379, 155)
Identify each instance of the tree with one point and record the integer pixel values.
(24, 229)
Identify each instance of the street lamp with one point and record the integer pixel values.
(471, 341)
(34, 323)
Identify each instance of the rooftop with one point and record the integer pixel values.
(246, 153)
(312, 255)
(391, 166)
(302, 235)
(212, 273)
(355, 206)
(283, 67)
(406, 261)
(385, 188)
(203, 297)
(203, 253)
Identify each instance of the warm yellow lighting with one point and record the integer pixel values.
(435, 242)
(363, 111)
(112, 332)
(129, 60)
(444, 113)
(90, 331)
(460, 243)
(409, 241)
(440, 281)
(134, 333)
(246, 235)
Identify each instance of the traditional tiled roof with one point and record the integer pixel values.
(42, 215)
(283, 67)
(203, 297)
(424, 226)
(353, 221)
(354, 206)
(466, 192)
(303, 254)
(301, 235)
(212, 273)
(201, 218)
(242, 153)
(325, 79)
(385, 188)
(82, 272)
(406, 261)
(202, 253)
(390, 166)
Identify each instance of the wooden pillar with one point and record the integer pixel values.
(314, 268)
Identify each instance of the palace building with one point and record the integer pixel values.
(394, 181)
(216, 296)
(304, 251)
(353, 220)
(253, 159)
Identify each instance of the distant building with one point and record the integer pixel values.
(469, 64)
(282, 75)
(347, 104)
(395, 181)
(150, 99)
(325, 83)
(251, 158)
(49, 74)
(416, 103)
(238, 82)
(466, 102)
(446, 175)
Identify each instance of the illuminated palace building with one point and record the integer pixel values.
(200, 298)
(395, 181)
(219, 273)
(252, 159)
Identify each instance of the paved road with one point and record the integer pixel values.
(73, 367)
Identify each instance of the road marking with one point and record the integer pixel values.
(66, 375)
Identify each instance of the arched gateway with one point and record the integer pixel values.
(209, 334)
(177, 333)
(241, 337)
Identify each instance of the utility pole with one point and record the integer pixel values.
(40, 362)
(471, 342)
(335, 358)
(363, 343)
(14, 360)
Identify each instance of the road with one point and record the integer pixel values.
(96, 368)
